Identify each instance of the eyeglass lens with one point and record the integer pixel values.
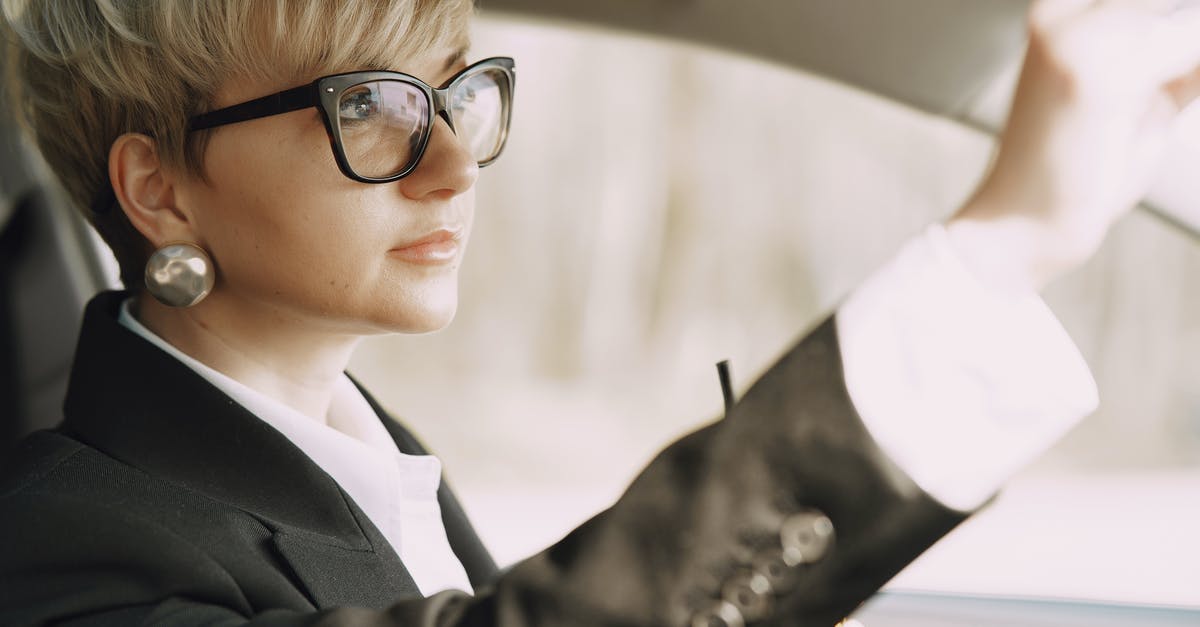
(382, 123)
(478, 110)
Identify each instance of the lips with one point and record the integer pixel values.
(437, 248)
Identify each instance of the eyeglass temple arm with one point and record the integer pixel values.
(282, 102)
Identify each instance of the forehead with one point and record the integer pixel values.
(432, 65)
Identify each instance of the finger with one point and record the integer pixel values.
(1174, 50)
(1049, 12)
(1184, 91)
(1161, 7)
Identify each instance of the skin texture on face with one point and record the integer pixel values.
(308, 261)
(291, 235)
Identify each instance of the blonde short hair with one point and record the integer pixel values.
(84, 72)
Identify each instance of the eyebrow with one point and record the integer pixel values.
(457, 57)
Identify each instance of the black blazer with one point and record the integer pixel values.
(161, 501)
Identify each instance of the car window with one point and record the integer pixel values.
(661, 207)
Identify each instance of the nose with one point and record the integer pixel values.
(446, 170)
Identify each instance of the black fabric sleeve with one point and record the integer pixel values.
(713, 509)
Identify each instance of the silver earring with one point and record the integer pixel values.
(180, 274)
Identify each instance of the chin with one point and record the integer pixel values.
(408, 303)
(425, 311)
(427, 321)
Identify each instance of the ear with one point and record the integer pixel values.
(146, 191)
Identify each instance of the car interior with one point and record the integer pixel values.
(952, 60)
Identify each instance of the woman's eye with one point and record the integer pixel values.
(358, 105)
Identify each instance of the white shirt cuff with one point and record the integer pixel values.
(959, 384)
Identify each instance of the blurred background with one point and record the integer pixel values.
(661, 207)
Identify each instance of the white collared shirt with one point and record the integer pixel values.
(960, 384)
(398, 492)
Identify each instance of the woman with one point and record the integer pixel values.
(279, 180)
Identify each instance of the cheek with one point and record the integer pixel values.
(303, 243)
(281, 220)
(287, 229)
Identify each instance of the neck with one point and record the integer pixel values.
(275, 354)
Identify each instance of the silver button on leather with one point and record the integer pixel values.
(805, 536)
(722, 614)
(750, 593)
(775, 569)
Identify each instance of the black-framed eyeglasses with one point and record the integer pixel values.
(379, 122)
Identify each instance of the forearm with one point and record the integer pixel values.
(743, 500)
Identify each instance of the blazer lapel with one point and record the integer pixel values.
(476, 560)
(143, 407)
(336, 573)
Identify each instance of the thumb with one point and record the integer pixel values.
(1185, 90)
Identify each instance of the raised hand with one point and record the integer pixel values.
(1102, 85)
